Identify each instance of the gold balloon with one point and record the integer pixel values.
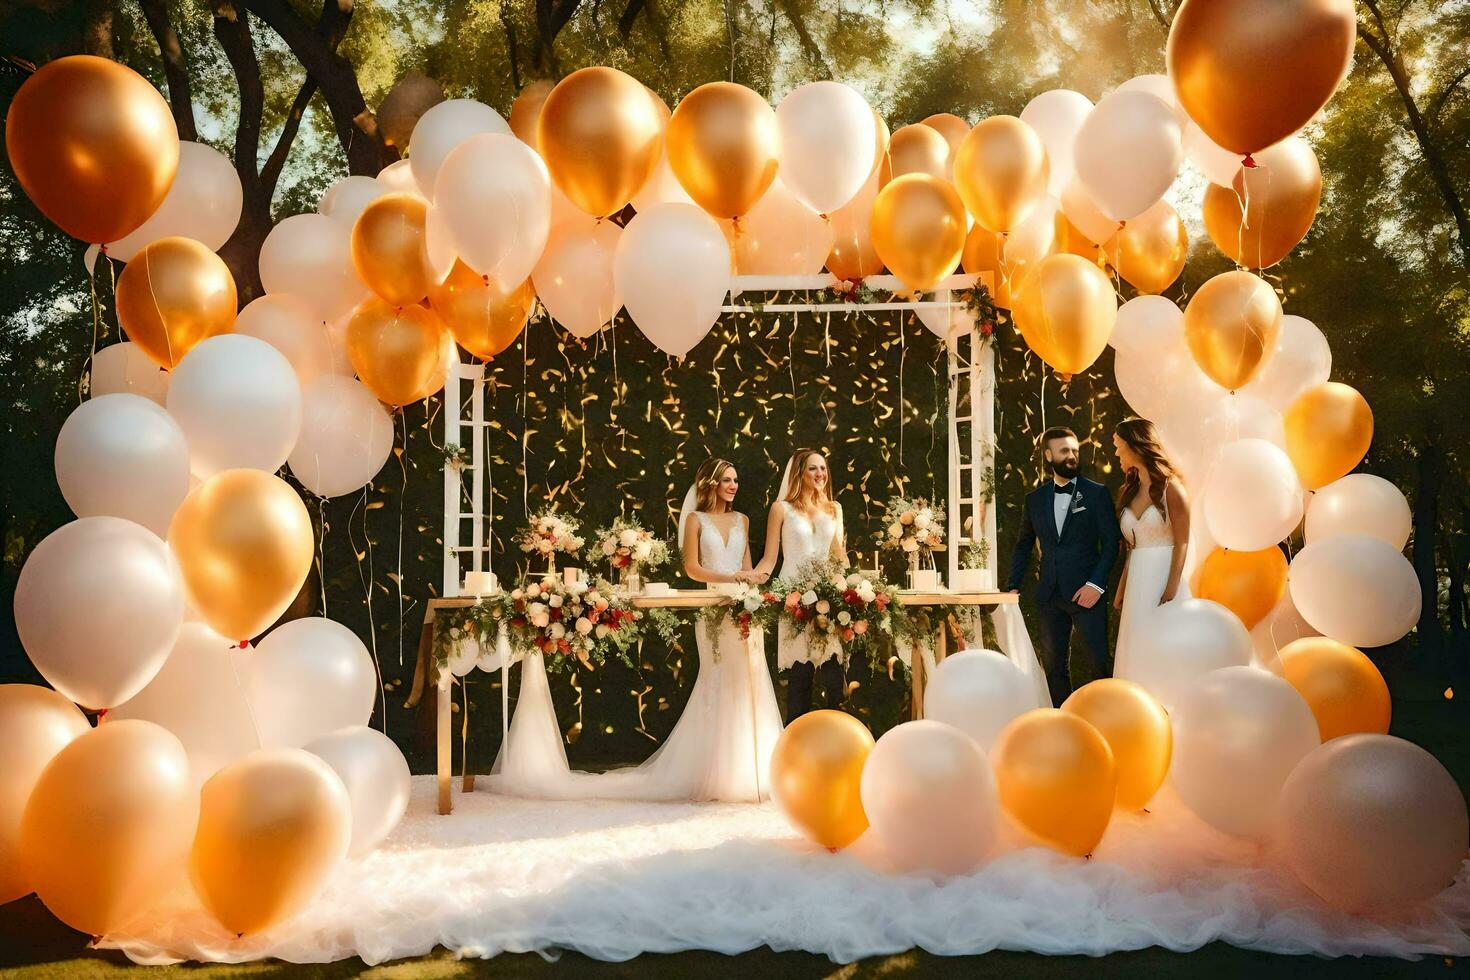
(1065, 309)
(1001, 169)
(174, 294)
(1069, 239)
(853, 257)
(722, 143)
(1252, 72)
(106, 830)
(1149, 250)
(484, 318)
(395, 352)
(1231, 323)
(390, 251)
(93, 144)
(244, 544)
(525, 111)
(35, 724)
(1248, 583)
(1282, 193)
(880, 140)
(817, 773)
(954, 130)
(916, 149)
(1057, 778)
(1136, 728)
(1328, 431)
(601, 135)
(272, 828)
(919, 229)
(1340, 684)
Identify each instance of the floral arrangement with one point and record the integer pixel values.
(628, 546)
(751, 608)
(980, 305)
(561, 621)
(914, 526)
(547, 533)
(827, 604)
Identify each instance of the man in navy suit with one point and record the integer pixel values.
(1077, 526)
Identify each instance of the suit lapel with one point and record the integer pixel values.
(1046, 514)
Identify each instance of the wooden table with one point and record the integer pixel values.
(425, 670)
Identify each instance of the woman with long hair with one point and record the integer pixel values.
(1153, 513)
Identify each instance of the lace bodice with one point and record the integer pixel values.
(804, 538)
(715, 552)
(1152, 530)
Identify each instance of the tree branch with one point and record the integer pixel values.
(809, 46)
(97, 29)
(511, 45)
(331, 28)
(1444, 95)
(175, 67)
(551, 17)
(242, 252)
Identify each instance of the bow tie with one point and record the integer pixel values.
(1062, 488)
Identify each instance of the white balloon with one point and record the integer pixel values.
(1080, 209)
(1360, 503)
(377, 779)
(1180, 643)
(1031, 240)
(574, 278)
(398, 178)
(443, 128)
(309, 256)
(1253, 498)
(780, 236)
(307, 678)
(291, 326)
(978, 692)
(123, 369)
(346, 437)
(98, 606)
(672, 269)
(930, 797)
(827, 137)
(123, 456)
(348, 197)
(1148, 323)
(1302, 360)
(202, 203)
(1128, 153)
(1056, 116)
(947, 323)
(239, 403)
(1358, 590)
(662, 188)
(1196, 437)
(494, 196)
(1237, 735)
(438, 244)
(1282, 625)
(1160, 87)
(199, 695)
(1218, 164)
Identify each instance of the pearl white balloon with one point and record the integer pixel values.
(202, 203)
(98, 606)
(239, 403)
(1360, 503)
(291, 326)
(1301, 361)
(827, 137)
(1238, 734)
(1160, 87)
(199, 695)
(978, 692)
(123, 369)
(1031, 240)
(1148, 323)
(443, 128)
(1056, 116)
(1253, 498)
(930, 797)
(307, 678)
(346, 437)
(1282, 625)
(1196, 437)
(309, 256)
(123, 456)
(377, 779)
(1085, 214)
(439, 244)
(1180, 643)
(672, 269)
(574, 278)
(662, 188)
(1355, 589)
(1128, 153)
(494, 195)
(780, 236)
(348, 197)
(1218, 164)
(398, 178)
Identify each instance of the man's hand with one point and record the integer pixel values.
(1086, 597)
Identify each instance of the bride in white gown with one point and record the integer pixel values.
(1154, 519)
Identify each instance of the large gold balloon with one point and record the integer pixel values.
(601, 136)
(174, 294)
(106, 830)
(1136, 728)
(919, 229)
(395, 352)
(93, 144)
(1001, 171)
(244, 543)
(272, 828)
(1248, 583)
(35, 724)
(484, 318)
(916, 149)
(1065, 309)
(817, 773)
(1280, 194)
(853, 257)
(953, 129)
(1149, 250)
(1057, 778)
(390, 248)
(722, 144)
(1231, 324)
(1328, 431)
(1345, 691)
(1252, 72)
(525, 111)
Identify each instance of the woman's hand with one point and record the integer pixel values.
(1169, 592)
(1118, 600)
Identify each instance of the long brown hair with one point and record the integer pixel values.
(707, 483)
(796, 490)
(1142, 437)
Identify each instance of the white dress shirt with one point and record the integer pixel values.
(1060, 507)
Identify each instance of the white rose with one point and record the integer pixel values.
(808, 598)
(924, 519)
(555, 602)
(752, 603)
(558, 631)
(516, 594)
(865, 592)
(533, 590)
(578, 587)
(642, 549)
(540, 620)
(584, 625)
(602, 631)
(855, 579)
(911, 544)
(608, 547)
(844, 617)
(895, 531)
(544, 546)
(536, 608)
(628, 538)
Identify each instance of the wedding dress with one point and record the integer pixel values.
(1150, 540)
(802, 539)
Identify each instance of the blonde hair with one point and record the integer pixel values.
(796, 491)
(707, 482)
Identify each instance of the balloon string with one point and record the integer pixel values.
(367, 589)
(791, 372)
(402, 493)
(240, 690)
(903, 351)
(464, 730)
(321, 551)
(525, 424)
(84, 381)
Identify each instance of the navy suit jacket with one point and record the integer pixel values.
(1083, 552)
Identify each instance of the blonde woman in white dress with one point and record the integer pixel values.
(805, 523)
(1153, 513)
